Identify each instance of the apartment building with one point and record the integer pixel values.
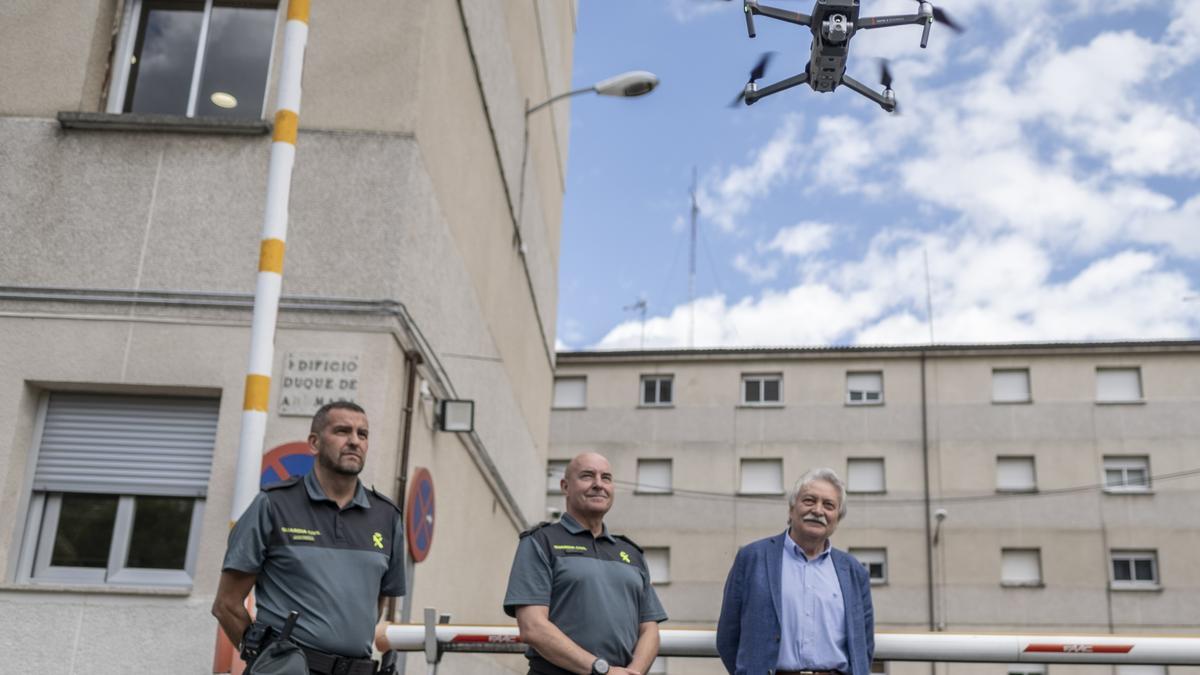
(421, 266)
(1031, 488)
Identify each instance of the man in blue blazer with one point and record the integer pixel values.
(793, 602)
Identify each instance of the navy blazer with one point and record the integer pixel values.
(748, 630)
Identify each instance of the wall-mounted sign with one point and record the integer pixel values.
(285, 461)
(312, 379)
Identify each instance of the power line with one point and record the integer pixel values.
(890, 501)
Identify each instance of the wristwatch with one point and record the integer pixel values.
(599, 667)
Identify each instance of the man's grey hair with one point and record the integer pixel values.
(829, 476)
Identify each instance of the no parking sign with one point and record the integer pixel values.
(418, 514)
(285, 461)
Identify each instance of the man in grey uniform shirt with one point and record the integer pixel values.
(322, 545)
(582, 597)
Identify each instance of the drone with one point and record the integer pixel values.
(833, 23)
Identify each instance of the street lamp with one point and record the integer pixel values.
(627, 85)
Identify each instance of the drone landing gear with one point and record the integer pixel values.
(886, 100)
(753, 93)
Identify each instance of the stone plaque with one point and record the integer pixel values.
(312, 379)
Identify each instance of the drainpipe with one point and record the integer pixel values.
(928, 509)
(411, 360)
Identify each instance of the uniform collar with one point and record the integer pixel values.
(793, 549)
(316, 494)
(571, 525)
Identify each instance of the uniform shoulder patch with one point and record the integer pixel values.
(286, 483)
(535, 528)
(629, 541)
(383, 498)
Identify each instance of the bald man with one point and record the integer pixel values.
(582, 597)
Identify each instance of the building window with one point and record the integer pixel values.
(865, 474)
(879, 667)
(1021, 567)
(874, 560)
(199, 58)
(570, 392)
(864, 388)
(657, 390)
(555, 470)
(1118, 385)
(658, 561)
(118, 489)
(1026, 669)
(653, 476)
(1127, 473)
(762, 477)
(1135, 569)
(1011, 386)
(1015, 474)
(762, 390)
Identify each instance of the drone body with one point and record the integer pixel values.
(833, 24)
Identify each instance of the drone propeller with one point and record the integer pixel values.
(885, 78)
(756, 73)
(940, 16)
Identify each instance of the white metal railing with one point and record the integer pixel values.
(438, 636)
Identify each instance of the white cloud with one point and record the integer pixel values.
(756, 271)
(724, 199)
(690, 10)
(802, 239)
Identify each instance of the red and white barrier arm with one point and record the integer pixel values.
(888, 646)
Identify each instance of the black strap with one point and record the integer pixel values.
(332, 664)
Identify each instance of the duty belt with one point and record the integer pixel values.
(332, 664)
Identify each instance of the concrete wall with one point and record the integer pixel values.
(412, 162)
(706, 433)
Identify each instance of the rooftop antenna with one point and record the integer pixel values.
(928, 295)
(640, 306)
(692, 267)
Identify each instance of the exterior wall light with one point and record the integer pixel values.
(456, 415)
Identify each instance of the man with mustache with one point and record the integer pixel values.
(322, 545)
(793, 603)
(582, 597)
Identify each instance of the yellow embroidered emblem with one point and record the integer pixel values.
(378, 539)
(625, 557)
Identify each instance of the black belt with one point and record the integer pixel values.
(332, 664)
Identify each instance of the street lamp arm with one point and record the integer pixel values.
(558, 97)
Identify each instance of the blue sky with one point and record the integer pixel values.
(1046, 164)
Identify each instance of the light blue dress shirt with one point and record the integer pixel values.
(813, 625)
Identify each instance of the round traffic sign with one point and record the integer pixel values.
(418, 514)
(284, 461)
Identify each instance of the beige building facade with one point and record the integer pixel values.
(1042, 488)
(421, 267)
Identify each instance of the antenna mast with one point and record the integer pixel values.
(640, 306)
(692, 267)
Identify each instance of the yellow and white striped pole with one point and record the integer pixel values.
(270, 260)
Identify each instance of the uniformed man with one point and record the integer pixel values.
(582, 597)
(322, 545)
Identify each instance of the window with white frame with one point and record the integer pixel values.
(658, 390)
(1021, 567)
(762, 477)
(1118, 385)
(1134, 569)
(1015, 474)
(1126, 473)
(199, 58)
(766, 390)
(1026, 669)
(864, 388)
(118, 489)
(555, 469)
(865, 474)
(570, 392)
(658, 562)
(1011, 385)
(874, 560)
(653, 476)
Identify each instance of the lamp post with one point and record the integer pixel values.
(627, 85)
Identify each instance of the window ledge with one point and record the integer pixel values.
(760, 405)
(1022, 584)
(879, 582)
(165, 123)
(1027, 401)
(760, 494)
(1128, 587)
(1017, 491)
(656, 406)
(859, 404)
(41, 587)
(1128, 491)
(654, 493)
(1140, 401)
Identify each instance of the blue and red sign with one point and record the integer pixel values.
(285, 461)
(418, 514)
